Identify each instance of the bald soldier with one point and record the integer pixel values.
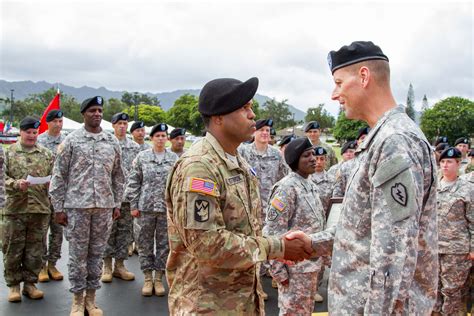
(214, 207)
(385, 244)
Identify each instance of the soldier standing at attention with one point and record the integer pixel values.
(313, 132)
(463, 145)
(138, 133)
(321, 178)
(214, 210)
(347, 153)
(146, 192)
(122, 228)
(455, 234)
(27, 211)
(295, 205)
(385, 245)
(265, 160)
(178, 139)
(86, 191)
(52, 251)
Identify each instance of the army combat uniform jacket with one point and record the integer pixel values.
(214, 230)
(50, 142)
(385, 256)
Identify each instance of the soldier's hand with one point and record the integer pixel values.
(135, 213)
(23, 184)
(116, 213)
(61, 218)
(470, 256)
(297, 246)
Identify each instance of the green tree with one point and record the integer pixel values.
(410, 109)
(149, 114)
(139, 98)
(346, 129)
(452, 117)
(279, 112)
(112, 106)
(320, 114)
(184, 113)
(256, 109)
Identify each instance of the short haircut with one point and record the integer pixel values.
(206, 120)
(379, 69)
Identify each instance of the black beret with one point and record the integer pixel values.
(53, 114)
(295, 149)
(262, 122)
(225, 95)
(461, 140)
(177, 132)
(286, 139)
(320, 151)
(348, 145)
(29, 122)
(470, 153)
(356, 52)
(311, 125)
(441, 146)
(119, 117)
(137, 124)
(450, 152)
(441, 139)
(273, 132)
(90, 102)
(162, 127)
(363, 131)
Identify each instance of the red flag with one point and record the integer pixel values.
(53, 105)
(2, 126)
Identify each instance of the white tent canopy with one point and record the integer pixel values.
(70, 125)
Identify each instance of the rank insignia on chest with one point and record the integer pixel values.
(235, 179)
(400, 194)
(202, 186)
(201, 210)
(278, 204)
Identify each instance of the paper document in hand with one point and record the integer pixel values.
(38, 180)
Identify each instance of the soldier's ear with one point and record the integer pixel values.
(364, 76)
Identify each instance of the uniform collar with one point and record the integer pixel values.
(453, 187)
(302, 181)
(100, 135)
(220, 151)
(19, 148)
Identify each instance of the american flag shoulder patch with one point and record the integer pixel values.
(278, 204)
(202, 186)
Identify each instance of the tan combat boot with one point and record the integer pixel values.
(30, 290)
(147, 289)
(91, 307)
(159, 288)
(121, 272)
(107, 273)
(14, 294)
(54, 273)
(130, 250)
(77, 308)
(43, 275)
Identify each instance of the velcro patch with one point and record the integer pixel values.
(235, 179)
(278, 204)
(203, 186)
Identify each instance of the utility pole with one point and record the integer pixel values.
(135, 98)
(11, 106)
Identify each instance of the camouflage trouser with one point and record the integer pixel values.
(453, 272)
(23, 244)
(87, 232)
(136, 230)
(153, 232)
(121, 235)
(52, 250)
(297, 298)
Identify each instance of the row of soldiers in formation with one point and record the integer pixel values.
(141, 215)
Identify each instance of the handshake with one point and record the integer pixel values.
(297, 246)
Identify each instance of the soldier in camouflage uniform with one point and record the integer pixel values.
(294, 204)
(313, 132)
(385, 243)
(265, 160)
(52, 251)
(2, 192)
(178, 139)
(455, 234)
(347, 153)
(122, 229)
(463, 145)
(321, 178)
(86, 192)
(146, 192)
(214, 210)
(27, 211)
(138, 133)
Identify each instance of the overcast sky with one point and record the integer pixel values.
(149, 47)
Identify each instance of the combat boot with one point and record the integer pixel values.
(147, 289)
(14, 294)
(54, 273)
(43, 275)
(130, 250)
(91, 307)
(121, 272)
(159, 288)
(107, 273)
(77, 308)
(30, 290)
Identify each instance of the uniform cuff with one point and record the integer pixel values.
(276, 248)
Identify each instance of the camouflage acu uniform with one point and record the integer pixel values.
(294, 204)
(178, 154)
(214, 231)
(136, 227)
(331, 159)
(463, 166)
(52, 250)
(87, 184)
(122, 228)
(146, 192)
(269, 167)
(333, 170)
(2, 193)
(342, 177)
(456, 240)
(385, 256)
(26, 213)
(324, 186)
(144, 146)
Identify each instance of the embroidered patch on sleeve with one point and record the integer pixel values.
(278, 204)
(199, 185)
